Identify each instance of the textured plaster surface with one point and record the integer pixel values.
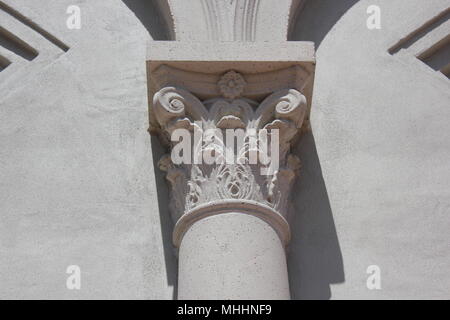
(232, 256)
(77, 182)
(237, 20)
(380, 127)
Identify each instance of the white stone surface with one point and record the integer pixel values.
(235, 20)
(77, 182)
(232, 256)
(380, 127)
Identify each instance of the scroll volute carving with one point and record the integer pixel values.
(199, 183)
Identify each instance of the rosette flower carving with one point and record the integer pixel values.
(232, 85)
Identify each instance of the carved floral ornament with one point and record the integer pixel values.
(258, 187)
(231, 85)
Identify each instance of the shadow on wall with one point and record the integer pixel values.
(314, 256)
(315, 259)
(152, 18)
(164, 216)
(316, 19)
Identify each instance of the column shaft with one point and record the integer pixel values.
(232, 256)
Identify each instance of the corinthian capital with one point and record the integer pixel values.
(228, 126)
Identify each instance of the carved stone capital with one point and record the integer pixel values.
(265, 110)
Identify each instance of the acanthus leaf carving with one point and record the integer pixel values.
(194, 184)
(233, 176)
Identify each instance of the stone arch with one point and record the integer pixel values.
(155, 16)
(233, 20)
(313, 19)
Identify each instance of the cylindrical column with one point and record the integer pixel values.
(230, 228)
(232, 256)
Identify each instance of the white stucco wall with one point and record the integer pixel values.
(77, 183)
(380, 125)
(77, 178)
